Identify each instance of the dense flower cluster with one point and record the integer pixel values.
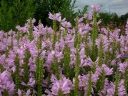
(84, 60)
(6, 83)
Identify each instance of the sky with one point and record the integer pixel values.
(118, 6)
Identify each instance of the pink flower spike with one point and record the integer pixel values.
(65, 85)
(19, 92)
(28, 92)
(95, 8)
(57, 16)
(107, 70)
(92, 7)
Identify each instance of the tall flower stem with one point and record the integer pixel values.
(94, 35)
(31, 37)
(67, 69)
(17, 76)
(100, 53)
(116, 84)
(40, 78)
(89, 84)
(56, 68)
(77, 69)
(54, 38)
(25, 66)
(60, 93)
(126, 79)
(39, 67)
(76, 33)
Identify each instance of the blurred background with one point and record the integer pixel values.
(16, 12)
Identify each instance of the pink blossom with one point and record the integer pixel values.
(6, 83)
(107, 70)
(95, 8)
(65, 85)
(123, 66)
(56, 16)
(121, 88)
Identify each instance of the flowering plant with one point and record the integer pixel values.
(84, 60)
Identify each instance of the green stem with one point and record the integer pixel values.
(54, 33)
(77, 69)
(25, 66)
(100, 53)
(17, 76)
(116, 84)
(94, 35)
(31, 37)
(67, 69)
(5, 93)
(40, 78)
(89, 84)
(56, 68)
(60, 93)
(126, 79)
(76, 33)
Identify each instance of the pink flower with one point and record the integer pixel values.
(33, 20)
(123, 66)
(88, 16)
(121, 88)
(83, 81)
(2, 59)
(108, 90)
(6, 83)
(107, 70)
(56, 16)
(95, 77)
(19, 92)
(1, 34)
(28, 92)
(66, 24)
(95, 8)
(31, 82)
(65, 85)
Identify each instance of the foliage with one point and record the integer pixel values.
(80, 60)
(108, 17)
(65, 7)
(123, 19)
(15, 12)
(84, 11)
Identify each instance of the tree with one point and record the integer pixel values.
(84, 11)
(15, 12)
(123, 19)
(108, 17)
(65, 7)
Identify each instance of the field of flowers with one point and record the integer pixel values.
(62, 60)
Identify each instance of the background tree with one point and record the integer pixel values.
(106, 17)
(109, 19)
(65, 7)
(123, 19)
(84, 11)
(15, 12)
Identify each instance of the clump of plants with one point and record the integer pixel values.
(63, 60)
